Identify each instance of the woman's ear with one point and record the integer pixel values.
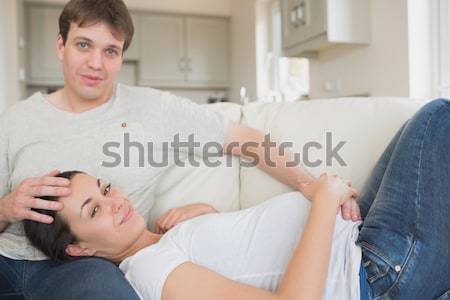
(75, 250)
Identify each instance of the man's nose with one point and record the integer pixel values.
(95, 61)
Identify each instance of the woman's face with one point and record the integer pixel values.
(101, 217)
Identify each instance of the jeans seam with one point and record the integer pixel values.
(24, 285)
(418, 201)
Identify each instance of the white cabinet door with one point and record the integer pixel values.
(42, 28)
(207, 51)
(162, 51)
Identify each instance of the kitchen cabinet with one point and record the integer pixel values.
(184, 51)
(309, 26)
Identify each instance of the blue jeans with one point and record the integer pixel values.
(87, 278)
(405, 236)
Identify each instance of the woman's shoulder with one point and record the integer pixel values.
(149, 268)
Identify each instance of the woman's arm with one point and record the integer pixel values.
(305, 275)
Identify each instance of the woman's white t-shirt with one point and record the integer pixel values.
(252, 246)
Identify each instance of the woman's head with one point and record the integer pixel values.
(97, 220)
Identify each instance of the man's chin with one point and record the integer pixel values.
(94, 93)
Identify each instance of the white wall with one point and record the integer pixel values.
(10, 90)
(380, 69)
(420, 49)
(243, 48)
(208, 7)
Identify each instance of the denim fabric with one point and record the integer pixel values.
(87, 278)
(363, 286)
(405, 236)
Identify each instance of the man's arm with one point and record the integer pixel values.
(274, 162)
(241, 135)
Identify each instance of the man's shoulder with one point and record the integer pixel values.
(21, 108)
(139, 93)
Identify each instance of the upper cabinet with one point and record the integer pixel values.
(169, 50)
(184, 51)
(312, 25)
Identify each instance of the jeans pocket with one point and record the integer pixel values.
(444, 296)
(374, 264)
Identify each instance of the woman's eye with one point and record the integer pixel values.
(107, 189)
(94, 211)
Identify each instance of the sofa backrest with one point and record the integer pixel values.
(364, 125)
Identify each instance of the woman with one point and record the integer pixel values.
(255, 254)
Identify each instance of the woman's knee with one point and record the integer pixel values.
(435, 105)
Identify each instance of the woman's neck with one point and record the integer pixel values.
(146, 239)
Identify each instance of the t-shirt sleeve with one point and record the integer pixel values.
(148, 270)
(183, 117)
(4, 167)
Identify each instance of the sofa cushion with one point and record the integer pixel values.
(365, 125)
(218, 186)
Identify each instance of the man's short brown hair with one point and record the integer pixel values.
(88, 12)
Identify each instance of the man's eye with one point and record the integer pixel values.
(111, 51)
(94, 211)
(83, 45)
(107, 189)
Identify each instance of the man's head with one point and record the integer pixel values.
(93, 35)
(97, 220)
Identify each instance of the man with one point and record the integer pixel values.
(68, 130)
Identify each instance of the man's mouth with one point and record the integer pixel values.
(91, 80)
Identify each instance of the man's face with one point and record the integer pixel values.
(91, 59)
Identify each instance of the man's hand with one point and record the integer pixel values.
(17, 205)
(349, 210)
(179, 214)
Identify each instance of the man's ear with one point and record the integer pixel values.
(60, 47)
(76, 250)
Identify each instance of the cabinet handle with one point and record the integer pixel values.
(298, 15)
(294, 16)
(301, 13)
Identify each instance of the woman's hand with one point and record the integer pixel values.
(179, 214)
(331, 187)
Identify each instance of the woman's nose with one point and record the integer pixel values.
(116, 204)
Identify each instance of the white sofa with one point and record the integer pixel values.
(365, 124)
